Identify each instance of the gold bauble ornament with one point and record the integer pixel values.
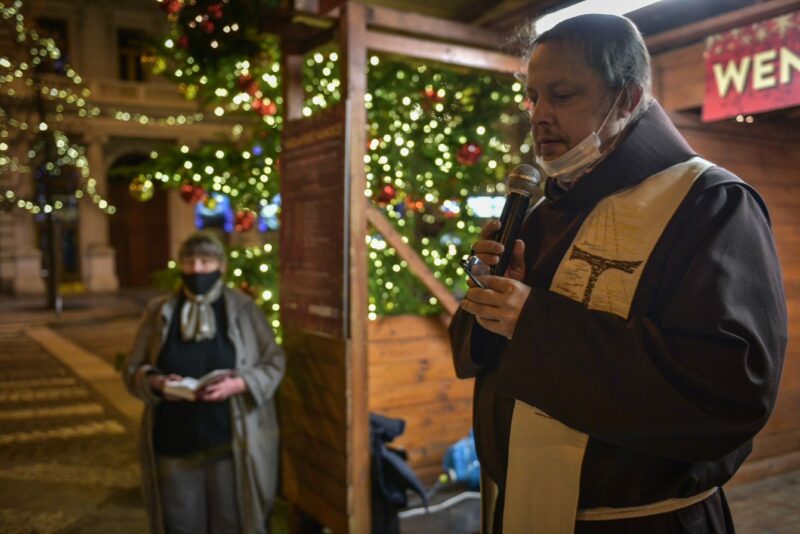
(141, 189)
(210, 202)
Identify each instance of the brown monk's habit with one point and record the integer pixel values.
(671, 397)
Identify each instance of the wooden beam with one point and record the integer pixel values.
(727, 21)
(353, 34)
(305, 45)
(431, 27)
(415, 263)
(511, 13)
(465, 56)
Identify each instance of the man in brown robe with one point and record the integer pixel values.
(633, 349)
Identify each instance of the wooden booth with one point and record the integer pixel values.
(341, 366)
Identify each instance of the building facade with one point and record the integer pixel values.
(103, 41)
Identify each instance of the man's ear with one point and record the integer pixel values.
(633, 95)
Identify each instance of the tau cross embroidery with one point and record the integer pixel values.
(599, 265)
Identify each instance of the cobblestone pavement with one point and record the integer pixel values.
(768, 506)
(68, 462)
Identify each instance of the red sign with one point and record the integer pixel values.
(753, 69)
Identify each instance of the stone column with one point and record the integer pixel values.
(24, 264)
(98, 266)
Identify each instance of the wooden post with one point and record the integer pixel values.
(353, 31)
(292, 67)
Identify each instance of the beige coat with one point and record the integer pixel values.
(261, 363)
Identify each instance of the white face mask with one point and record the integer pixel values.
(573, 163)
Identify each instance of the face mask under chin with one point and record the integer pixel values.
(200, 283)
(574, 163)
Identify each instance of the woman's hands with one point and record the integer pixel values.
(497, 307)
(215, 392)
(222, 389)
(156, 382)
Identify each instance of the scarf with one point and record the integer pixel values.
(197, 316)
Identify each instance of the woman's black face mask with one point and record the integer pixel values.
(200, 283)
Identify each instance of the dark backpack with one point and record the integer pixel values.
(391, 475)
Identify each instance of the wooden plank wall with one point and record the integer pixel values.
(411, 377)
(313, 416)
(768, 158)
(679, 77)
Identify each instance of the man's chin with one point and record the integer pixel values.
(550, 155)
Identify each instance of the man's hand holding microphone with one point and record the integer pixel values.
(498, 304)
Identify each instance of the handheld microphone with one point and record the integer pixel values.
(523, 184)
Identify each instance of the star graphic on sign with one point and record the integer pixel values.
(761, 34)
(747, 40)
(711, 40)
(783, 24)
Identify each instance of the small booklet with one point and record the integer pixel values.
(187, 387)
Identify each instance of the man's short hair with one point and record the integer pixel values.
(203, 243)
(612, 46)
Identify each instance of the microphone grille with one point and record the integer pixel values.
(524, 179)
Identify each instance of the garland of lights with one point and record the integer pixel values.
(72, 97)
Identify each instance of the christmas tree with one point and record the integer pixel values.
(438, 137)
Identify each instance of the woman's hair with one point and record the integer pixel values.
(611, 46)
(203, 243)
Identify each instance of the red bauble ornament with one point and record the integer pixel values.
(192, 193)
(186, 192)
(207, 26)
(431, 94)
(387, 194)
(270, 109)
(264, 107)
(244, 220)
(247, 83)
(215, 11)
(414, 205)
(171, 7)
(469, 154)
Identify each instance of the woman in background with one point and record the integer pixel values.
(208, 466)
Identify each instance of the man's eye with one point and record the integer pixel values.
(562, 96)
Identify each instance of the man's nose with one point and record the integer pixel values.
(540, 113)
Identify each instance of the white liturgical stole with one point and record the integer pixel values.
(601, 269)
